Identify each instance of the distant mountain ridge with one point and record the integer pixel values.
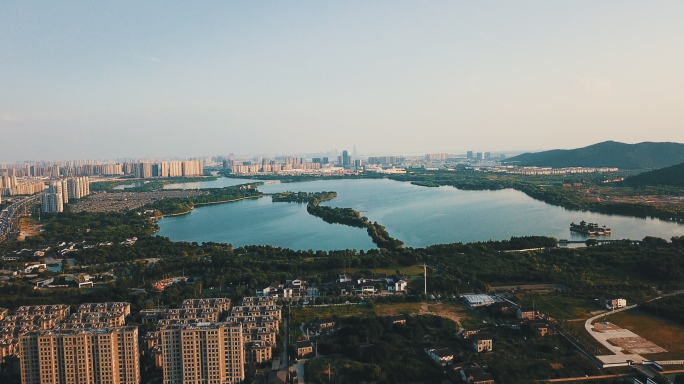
(641, 156)
(673, 176)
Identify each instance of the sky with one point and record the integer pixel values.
(112, 79)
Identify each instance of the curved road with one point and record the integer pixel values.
(602, 337)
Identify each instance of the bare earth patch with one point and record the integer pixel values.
(27, 228)
(637, 345)
(627, 340)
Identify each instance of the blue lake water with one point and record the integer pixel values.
(418, 216)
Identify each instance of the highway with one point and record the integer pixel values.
(10, 215)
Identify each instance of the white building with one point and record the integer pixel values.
(52, 202)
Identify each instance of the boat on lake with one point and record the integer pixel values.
(590, 229)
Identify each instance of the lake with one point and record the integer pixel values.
(418, 216)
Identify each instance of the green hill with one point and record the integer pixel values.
(645, 155)
(673, 176)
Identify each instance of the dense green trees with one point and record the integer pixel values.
(313, 198)
(174, 206)
(670, 307)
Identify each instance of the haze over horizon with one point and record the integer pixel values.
(129, 79)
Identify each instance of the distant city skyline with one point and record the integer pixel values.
(116, 80)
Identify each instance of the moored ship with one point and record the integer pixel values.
(590, 229)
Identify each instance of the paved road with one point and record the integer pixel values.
(603, 337)
(585, 378)
(299, 367)
(285, 363)
(9, 215)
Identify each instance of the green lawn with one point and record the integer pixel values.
(576, 330)
(409, 271)
(305, 314)
(560, 306)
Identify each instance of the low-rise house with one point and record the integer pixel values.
(396, 319)
(528, 313)
(220, 304)
(11, 257)
(291, 288)
(324, 324)
(477, 300)
(502, 308)
(442, 356)
(41, 283)
(469, 372)
(152, 315)
(612, 302)
(158, 356)
(304, 348)
(34, 267)
(481, 342)
(476, 376)
(258, 351)
(515, 324)
(540, 328)
(8, 347)
(61, 311)
(276, 376)
(466, 333)
(400, 286)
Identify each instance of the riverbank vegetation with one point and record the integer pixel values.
(353, 218)
(175, 206)
(313, 198)
(346, 216)
(575, 191)
(596, 192)
(145, 185)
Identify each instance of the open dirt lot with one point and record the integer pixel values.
(28, 227)
(662, 332)
(629, 341)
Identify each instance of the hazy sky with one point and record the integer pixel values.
(109, 79)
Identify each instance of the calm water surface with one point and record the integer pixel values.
(418, 216)
(218, 183)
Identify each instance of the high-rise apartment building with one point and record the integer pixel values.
(52, 202)
(58, 188)
(469, 155)
(202, 353)
(65, 191)
(75, 355)
(192, 168)
(78, 187)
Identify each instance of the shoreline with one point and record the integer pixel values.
(210, 203)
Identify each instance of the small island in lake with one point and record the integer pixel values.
(590, 229)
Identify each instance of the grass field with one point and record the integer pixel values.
(306, 314)
(664, 333)
(450, 311)
(560, 306)
(388, 309)
(410, 271)
(576, 330)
